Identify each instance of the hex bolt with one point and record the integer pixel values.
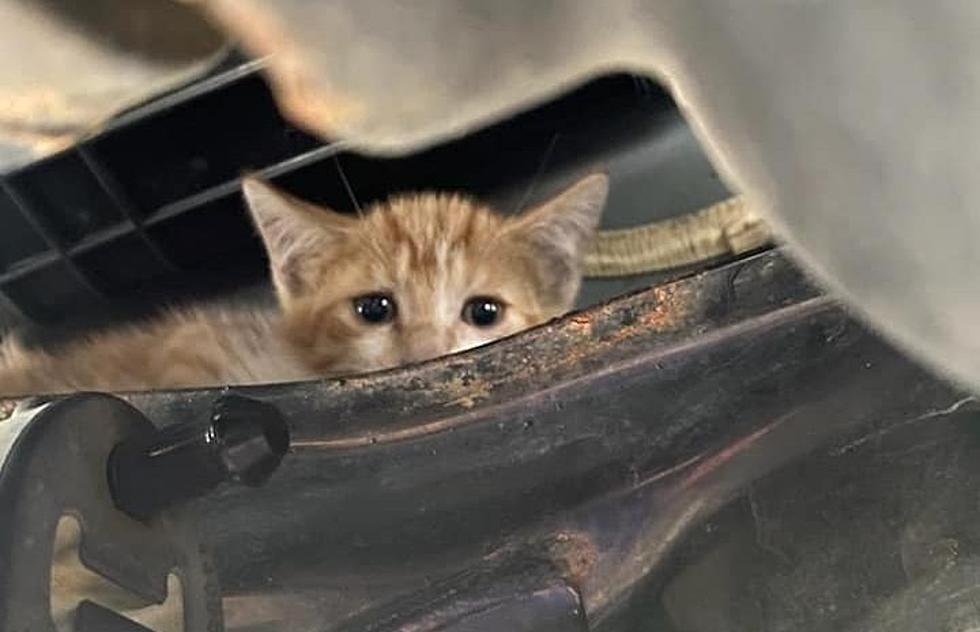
(243, 442)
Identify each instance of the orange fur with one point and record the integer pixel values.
(429, 252)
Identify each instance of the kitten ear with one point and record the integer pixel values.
(560, 230)
(294, 232)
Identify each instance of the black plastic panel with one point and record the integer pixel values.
(215, 233)
(154, 200)
(66, 198)
(120, 265)
(19, 240)
(50, 291)
(200, 143)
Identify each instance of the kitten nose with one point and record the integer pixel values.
(426, 344)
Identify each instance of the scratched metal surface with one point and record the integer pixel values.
(734, 434)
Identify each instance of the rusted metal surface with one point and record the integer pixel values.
(448, 390)
(574, 553)
(598, 443)
(730, 450)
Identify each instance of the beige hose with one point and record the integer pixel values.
(726, 228)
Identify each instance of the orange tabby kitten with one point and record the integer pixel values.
(416, 277)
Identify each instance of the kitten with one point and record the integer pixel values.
(413, 278)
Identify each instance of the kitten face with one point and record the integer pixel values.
(421, 275)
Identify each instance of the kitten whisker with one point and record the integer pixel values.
(545, 158)
(347, 186)
(426, 285)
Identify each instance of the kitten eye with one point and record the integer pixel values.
(375, 308)
(482, 311)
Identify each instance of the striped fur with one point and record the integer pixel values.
(430, 252)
